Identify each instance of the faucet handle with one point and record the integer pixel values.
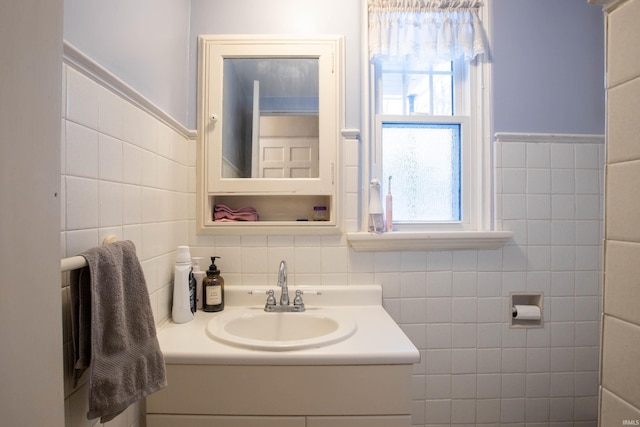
(271, 299)
(298, 305)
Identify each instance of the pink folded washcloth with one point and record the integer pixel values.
(225, 208)
(225, 213)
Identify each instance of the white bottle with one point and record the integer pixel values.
(199, 275)
(184, 287)
(376, 220)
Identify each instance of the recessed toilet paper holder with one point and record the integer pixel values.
(526, 310)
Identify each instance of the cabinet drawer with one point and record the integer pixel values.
(373, 421)
(158, 420)
(284, 390)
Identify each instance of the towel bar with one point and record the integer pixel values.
(76, 262)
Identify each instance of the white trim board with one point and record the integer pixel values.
(549, 138)
(96, 72)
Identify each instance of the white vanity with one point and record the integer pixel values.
(360, 377)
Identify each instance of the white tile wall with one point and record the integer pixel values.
(620, 397)
(124, 173)
(453, 305)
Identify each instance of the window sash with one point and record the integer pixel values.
(467, 198)
(461, 86)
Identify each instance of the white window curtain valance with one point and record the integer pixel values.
(425, 30)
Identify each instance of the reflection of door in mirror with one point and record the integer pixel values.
(271, 123)
(288, 147)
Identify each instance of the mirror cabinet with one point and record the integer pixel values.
(270, 111)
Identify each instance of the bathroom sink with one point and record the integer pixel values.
(258, 330)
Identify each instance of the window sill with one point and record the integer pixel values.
(427, 240)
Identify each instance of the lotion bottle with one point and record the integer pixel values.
(184, 287)
(213, 289)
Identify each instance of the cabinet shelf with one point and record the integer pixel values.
(290, 214)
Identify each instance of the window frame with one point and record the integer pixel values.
(469, 110)
(480, 184)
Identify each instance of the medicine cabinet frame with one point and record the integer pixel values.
(283, 204)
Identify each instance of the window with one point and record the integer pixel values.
(424, 140)
(427, 126)
(424, 157)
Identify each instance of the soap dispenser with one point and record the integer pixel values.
(213, 289)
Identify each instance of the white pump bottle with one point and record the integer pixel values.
(184, 287)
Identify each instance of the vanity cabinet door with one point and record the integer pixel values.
(372, 421)
(158, 420)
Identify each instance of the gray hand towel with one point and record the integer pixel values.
(115, 337)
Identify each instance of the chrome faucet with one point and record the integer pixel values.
(282, 282)
(298, 304)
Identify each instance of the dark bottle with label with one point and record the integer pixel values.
(213, 289)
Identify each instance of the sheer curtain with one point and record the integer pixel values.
(425, 30)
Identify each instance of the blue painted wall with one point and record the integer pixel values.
(548, 66)
(142, 42)
(548, 55)
(290, 17)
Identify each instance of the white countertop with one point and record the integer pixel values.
(377, 340)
